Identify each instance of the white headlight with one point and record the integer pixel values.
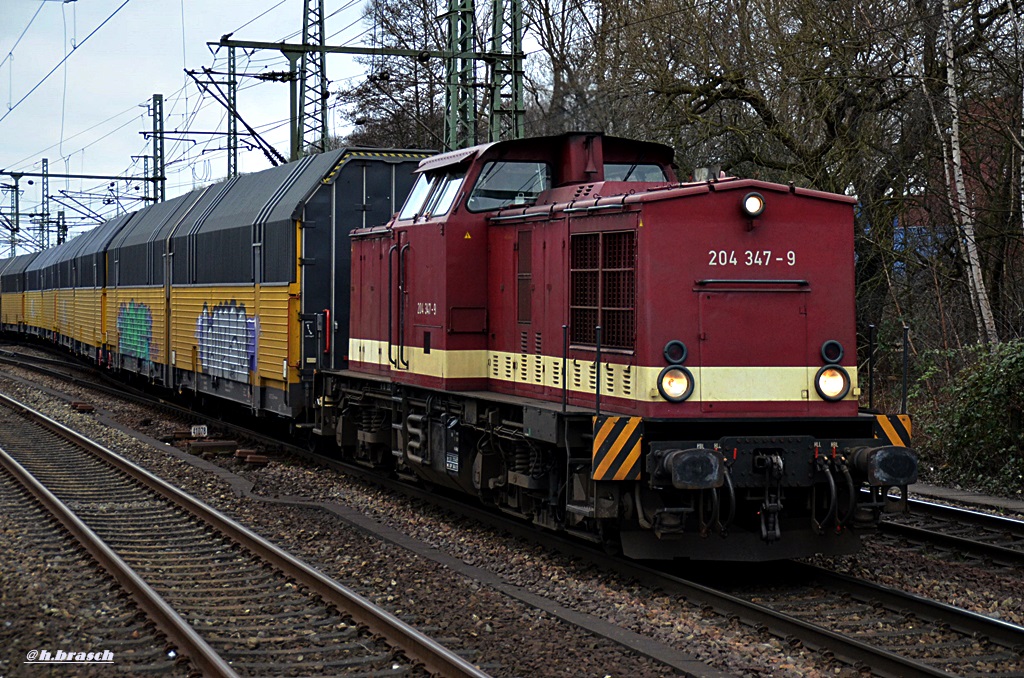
(675, 383)
(753, 204)
(832, 382)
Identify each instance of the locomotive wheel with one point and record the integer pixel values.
(316, 444)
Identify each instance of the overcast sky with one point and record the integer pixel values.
(87, 115)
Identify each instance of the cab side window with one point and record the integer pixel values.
(417, 197)
(432, 195)
(633, 172)
(443, 197)
(509, 183)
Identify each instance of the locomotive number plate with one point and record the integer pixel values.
(750, 258)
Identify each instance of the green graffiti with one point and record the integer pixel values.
(135, 331)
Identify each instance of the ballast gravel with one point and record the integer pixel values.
(518, 640)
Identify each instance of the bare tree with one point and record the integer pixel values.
(401, 102)
(958, 192)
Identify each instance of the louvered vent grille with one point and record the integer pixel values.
(538, 359)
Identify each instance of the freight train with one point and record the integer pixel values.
(556, 326)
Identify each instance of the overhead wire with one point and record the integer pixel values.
(10, 52)
(179, 151)
(64, 89)
(11, 109)
(18, 165)
(259, 16)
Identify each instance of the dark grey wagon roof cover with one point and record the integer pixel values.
(4, 263)
(11, 279)
(154, 222)
(53, 255)
(271, 197)
(20, 263)
(90, 242)
(99, 238)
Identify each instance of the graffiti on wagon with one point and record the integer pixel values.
(135, 330)
(227, 340)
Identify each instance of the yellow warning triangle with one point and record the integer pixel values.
(467, 236)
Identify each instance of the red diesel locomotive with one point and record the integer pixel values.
(561, 328)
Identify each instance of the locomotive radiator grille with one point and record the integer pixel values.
(584, 278)
(618, 289)
(603, 288)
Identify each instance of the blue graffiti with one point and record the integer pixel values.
(228, 341)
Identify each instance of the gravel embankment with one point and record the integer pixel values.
(521, 640)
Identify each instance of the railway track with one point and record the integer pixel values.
(56, 579)
(955, 530)
(232, 602)
(898, 633)
(960, 531)
(871, 628)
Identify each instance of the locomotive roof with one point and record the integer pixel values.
(545, 146)
(737, 183)
(451, 157)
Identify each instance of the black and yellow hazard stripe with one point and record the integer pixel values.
(373, 155)
(894, 428)
(616, 453)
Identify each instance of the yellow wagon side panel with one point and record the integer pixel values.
(273, 341)
(48, 315)
(13, 308)
(86, 326)
(136, 321)
(64, 316)
(34, 308)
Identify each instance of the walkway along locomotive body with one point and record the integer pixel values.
(556, 326)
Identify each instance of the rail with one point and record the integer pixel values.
(420, 648)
